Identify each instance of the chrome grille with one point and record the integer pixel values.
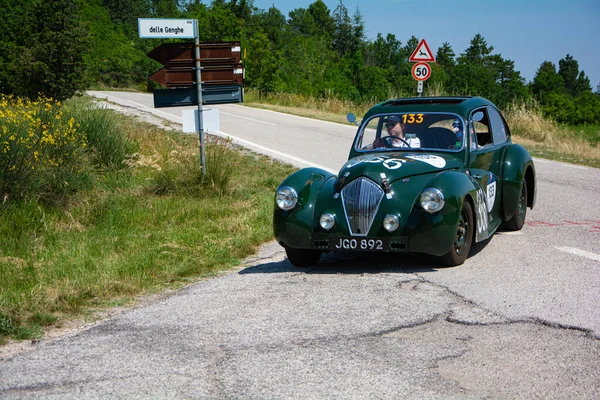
(361, 199)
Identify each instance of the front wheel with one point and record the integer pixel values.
(518, 220)
(303, 257)
(463, 239)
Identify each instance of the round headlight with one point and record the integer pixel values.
(286, 198)
(391, 223)
(327, 221)
(432, 200)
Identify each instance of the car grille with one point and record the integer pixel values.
(361, 199)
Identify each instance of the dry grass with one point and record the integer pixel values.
(547, 139)
(542, 137)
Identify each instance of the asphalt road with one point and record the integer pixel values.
(520, 319)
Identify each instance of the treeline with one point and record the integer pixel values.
(59, 47)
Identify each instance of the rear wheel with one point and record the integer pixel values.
(518, 220)
(303, 257)
(463, 239)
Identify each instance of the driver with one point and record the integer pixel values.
(395, 130)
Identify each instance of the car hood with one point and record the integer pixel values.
(396, 166)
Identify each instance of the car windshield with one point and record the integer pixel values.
(434, 131)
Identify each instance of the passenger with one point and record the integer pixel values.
(395, 130)
(458, 131)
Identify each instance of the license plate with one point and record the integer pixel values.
(358, 244)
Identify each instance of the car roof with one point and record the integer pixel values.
(457, 105)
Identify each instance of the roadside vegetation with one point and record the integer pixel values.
(106, 208)
(541, 136)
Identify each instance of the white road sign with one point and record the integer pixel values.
(166, 28)
(421, 71)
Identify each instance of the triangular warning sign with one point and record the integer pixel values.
(422, 53)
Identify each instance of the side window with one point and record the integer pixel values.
(482, 128)
(473, 137)
(499, 130)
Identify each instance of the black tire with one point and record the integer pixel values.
(463, 239)
(518, 220)
(303, 257)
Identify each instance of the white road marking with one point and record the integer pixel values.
(271, 151)
(509, 233)
(150, 109)
(581, 253)
(249, 119)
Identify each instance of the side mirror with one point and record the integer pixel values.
(351, 118)
(478, 116)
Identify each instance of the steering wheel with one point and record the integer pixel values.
(390, 140)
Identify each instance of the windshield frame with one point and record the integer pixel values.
(380, 132)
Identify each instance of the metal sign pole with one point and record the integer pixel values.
(199, 88)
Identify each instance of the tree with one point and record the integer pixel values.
(342, 37)
(568, 68)
(166, 8)
(445, 57)
(479, 72)
(358, 31)
(127, 11)
(587, 106)
(273, 24)
(261, 64)
(242, 9)
(547, 81)
(384, 53)
(410, 47)
(51, 60)
(302, 22)
(322, 18)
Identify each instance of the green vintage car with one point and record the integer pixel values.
(424, 175)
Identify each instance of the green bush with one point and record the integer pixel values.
(43, 153)
(108, 146)
(179, 171)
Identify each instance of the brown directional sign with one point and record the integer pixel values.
(222, 73)
(211, 75)
(220, 62)
(183, 54)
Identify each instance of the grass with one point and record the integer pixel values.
(542, 137)
(156, 223)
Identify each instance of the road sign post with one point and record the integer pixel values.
(199, 91)
(182, 72)
(421, 71)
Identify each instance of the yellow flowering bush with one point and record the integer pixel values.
(42, 152)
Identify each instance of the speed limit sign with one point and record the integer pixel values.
(421, 71)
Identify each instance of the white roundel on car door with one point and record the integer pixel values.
(434, 161)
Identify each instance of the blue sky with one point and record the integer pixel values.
(527, 32)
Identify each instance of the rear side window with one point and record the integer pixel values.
(499, 130)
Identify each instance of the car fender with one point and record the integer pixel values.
(457, 188)
(296, 225)
(518, 164)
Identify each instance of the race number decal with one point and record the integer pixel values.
(491, 192)
(393, 163)
(389, 163)
(482, 216)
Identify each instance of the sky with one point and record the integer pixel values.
(527, 32)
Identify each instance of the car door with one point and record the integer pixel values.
(489, 137)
